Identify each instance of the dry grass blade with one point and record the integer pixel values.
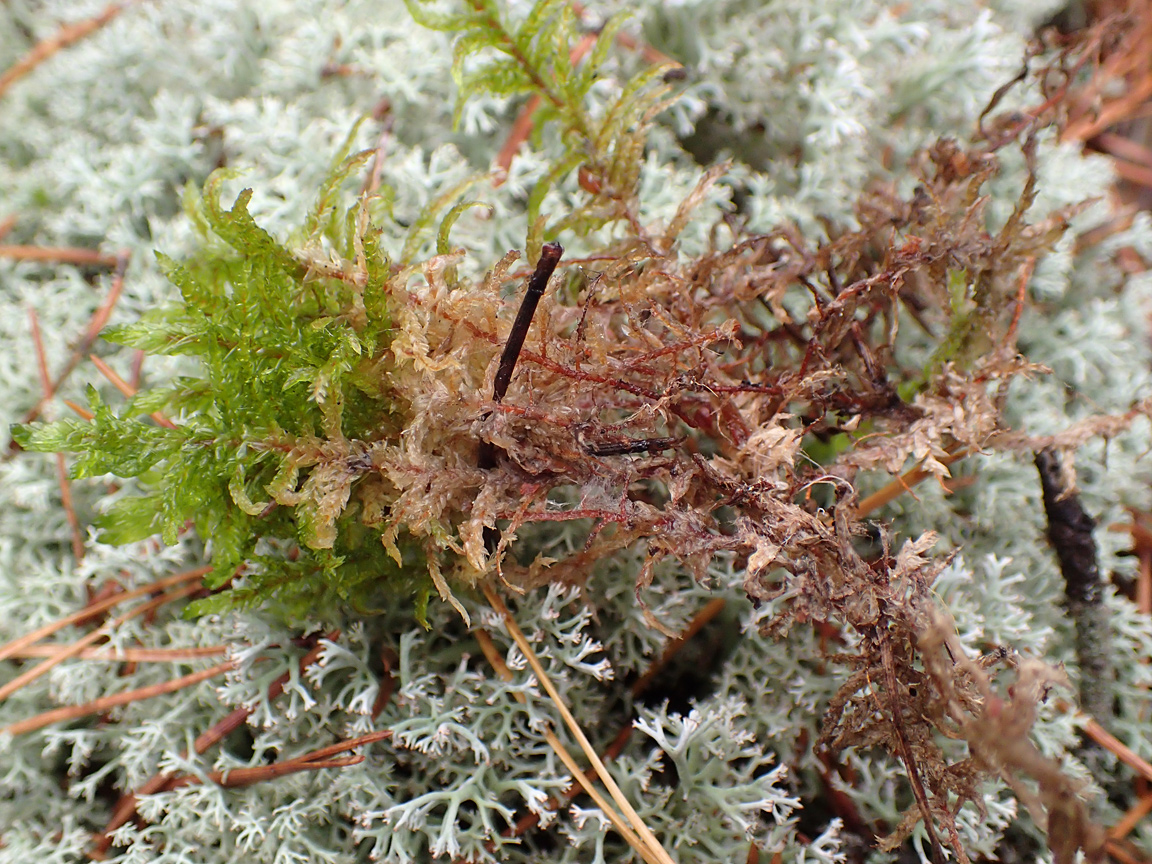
(580, 776)
(529, 820)
(83, 642)
(650, 841)
(14, 647)
(104, 703)
(641, 846)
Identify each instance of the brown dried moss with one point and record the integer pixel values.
(667, 402)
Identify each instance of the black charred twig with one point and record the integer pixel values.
(1070, 533)
(549, 258)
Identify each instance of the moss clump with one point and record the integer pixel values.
(265, 448)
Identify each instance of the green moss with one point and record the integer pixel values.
(292, 357)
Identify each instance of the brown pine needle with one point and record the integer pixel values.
(1132, 818)
(61, 466)
(650, 841)
(1115, 746)
(1110, 114)
(126, 806)
(711, 609)
(59, 255)
(80, 410)
(126, 388)
(650, 54)
(137, 368)
(69, 508)
(97, 706)
(95, 325)
(1024, 276)
(83, 642)
(1124, 148)
(19, 644)
(127, 655)
(41, 360)
(902, 484)
(1144, 584)
(114, 379)
(522, 127)
(314, 761)
(62, 38)
(1123, 852)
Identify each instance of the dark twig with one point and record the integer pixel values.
(1070, 533)
(549, 258)
(627, 446)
